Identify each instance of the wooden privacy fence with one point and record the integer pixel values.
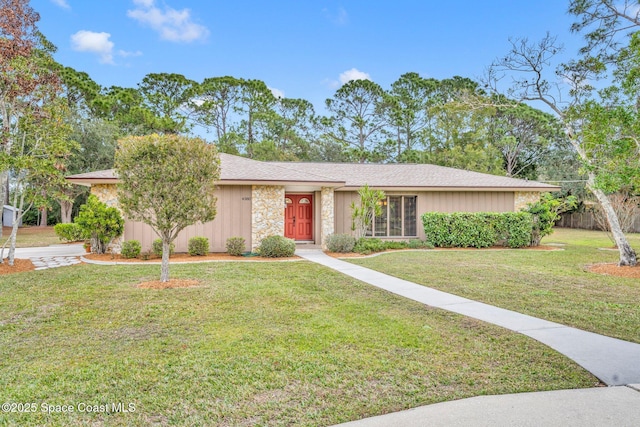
(586, 220)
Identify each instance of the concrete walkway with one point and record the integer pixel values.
(52, 256)
(592, 407)
(613, 361)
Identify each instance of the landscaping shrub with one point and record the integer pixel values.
(391, 244)
(277, 247)
(341, 243)
(156, 247)
(235, 246)
(419, 244)
(546, 212)
(198, 246)
(368, 245)
(478, 230)
(100, 222)
(130, 249)
(69, 232)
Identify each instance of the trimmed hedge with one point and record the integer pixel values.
(478, 230)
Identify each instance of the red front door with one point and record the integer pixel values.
(298, 216)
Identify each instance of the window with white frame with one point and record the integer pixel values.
(398, 218)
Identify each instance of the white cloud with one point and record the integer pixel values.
(127, 54)
(99, 43)
(276, 92)
(340, 17)
(173, 25)
(353, 74)
(62, 3)
(347, 76)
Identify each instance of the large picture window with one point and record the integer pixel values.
(398, 218)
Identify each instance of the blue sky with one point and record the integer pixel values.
(299, 48)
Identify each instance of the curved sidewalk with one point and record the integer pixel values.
(613, 361)
(597, 407)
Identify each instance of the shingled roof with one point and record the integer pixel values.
(240, 170)
(355, 175)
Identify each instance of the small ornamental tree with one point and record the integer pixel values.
(363, 216)
(167, 182)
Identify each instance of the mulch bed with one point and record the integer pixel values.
(19, 265)
(612, 269)
(177, 258)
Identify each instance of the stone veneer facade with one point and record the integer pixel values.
(522, 198)
(327, 224)
(108, 194)
(267, 212)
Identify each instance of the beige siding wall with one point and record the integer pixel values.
(232, 220)
(342, 210)
(465, 201)
(434, 201)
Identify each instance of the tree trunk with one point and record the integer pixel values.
(164, 270)
(627, 254)
(43, 217)
(4, 194)
(66, 207)
(17, 216)
(14, 235)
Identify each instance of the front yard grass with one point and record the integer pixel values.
(254, 344)
(29, 237)
(553, 285)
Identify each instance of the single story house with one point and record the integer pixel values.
(309, 201)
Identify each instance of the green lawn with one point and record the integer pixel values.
(255, 344)
(32, 236)
(550, 285)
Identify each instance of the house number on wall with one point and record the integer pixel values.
(246, 198)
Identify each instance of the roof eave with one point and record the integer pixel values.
(454, 188)
(332, 184)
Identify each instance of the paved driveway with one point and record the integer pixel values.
(50, 251)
